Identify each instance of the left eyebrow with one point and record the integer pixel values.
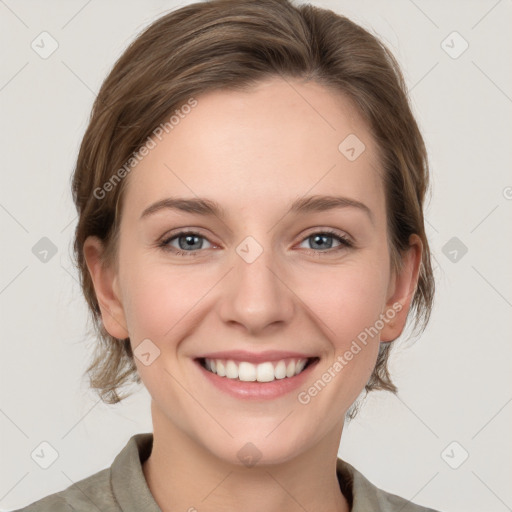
(207, 207)
(323, 203)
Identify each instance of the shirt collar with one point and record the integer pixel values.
(129, 484)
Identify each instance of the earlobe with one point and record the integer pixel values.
(405, 282)
(105, 286)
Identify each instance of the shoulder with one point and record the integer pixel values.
(120, 487)
(393, 503)
(367, 497)
(91, 493)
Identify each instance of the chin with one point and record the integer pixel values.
(256, 448)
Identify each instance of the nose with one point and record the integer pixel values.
(256, 297)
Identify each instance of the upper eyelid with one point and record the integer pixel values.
(169, 235)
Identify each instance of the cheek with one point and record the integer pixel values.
(162, 297)
(348, 302)
(347, 299)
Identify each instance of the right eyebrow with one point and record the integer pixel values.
(201, 206)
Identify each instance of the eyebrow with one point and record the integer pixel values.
(207, 207)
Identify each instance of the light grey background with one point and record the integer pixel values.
(454, 382)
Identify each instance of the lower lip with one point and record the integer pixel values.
(257, 390)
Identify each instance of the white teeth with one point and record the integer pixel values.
(280, 370)
(220, 368)
(246, 372)
(300, 366)
(231, 370)
(290, 369)
(263, 372)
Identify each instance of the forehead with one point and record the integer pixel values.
(267, 145)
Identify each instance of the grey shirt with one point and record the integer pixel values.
(122, 488)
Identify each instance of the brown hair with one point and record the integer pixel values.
(233, 44)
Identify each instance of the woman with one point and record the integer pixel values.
(250, 242)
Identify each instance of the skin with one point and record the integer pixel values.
(253, 152)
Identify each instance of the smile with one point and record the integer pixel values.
(266, 371)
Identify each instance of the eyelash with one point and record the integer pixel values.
(344, 241)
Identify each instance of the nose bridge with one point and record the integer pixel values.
(256, 295)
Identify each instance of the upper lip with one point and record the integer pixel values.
(251, 357)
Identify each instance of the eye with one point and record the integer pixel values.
(188, 242)
(322, 241)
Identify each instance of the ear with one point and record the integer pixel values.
(105, 283)
(401, 290)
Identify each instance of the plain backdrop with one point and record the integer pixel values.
(444, 441)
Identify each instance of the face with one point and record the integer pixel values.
(268, 269)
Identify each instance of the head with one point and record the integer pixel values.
(253, 107)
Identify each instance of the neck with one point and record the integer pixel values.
(183, 475)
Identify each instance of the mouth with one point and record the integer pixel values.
(263, 372)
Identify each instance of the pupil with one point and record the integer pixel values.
(190, 240)
(322, 237)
